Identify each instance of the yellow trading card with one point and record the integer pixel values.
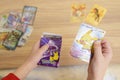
(96, 14)
(78, 12)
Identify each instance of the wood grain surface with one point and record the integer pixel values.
(54, 16)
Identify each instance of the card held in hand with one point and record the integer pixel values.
(52, 55)
(82, 45)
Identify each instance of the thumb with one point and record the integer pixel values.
(43, 49)
(97, 48)
(40, 52)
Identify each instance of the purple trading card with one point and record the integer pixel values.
(28, 14)
(13, 18)
(52, 55)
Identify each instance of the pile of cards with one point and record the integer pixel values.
(87, 34)
(52, 55)
(16, 28)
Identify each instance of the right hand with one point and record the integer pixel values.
(31, 61)
(100, 60)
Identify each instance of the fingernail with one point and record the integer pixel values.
(47, 45)
(98, 41)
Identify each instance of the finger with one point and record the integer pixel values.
(36, 46)
(38, 55)
(97, 48)
(107, 50)
(106, 45)
(43, 49)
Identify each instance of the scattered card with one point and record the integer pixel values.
(12, 40)
(3, 21)
(15, 28)
(22, 27)
(96, 14)
(28, 14)
(78, 12)
(25, 36)
(52, 55)
(13, 19)
(83, 42)
(3, 35)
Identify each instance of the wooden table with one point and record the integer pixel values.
(54, 16)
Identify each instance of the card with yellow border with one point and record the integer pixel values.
(78, 12)
(96, 14)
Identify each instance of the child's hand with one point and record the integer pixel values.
(32, 61)
(100, 60)
(37, 53)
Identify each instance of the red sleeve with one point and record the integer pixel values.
(11, 77)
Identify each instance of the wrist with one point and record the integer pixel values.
(24, 70)
(94, 77)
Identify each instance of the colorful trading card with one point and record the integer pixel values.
(22, 27)
(25, 36)
(13, 18)
(52, 55)
(3, 21)
(96, 14)
(78, 12)
(3, 35)
(28, 14)
(12, 40)
(84, 40)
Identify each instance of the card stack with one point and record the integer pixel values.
(16, 28)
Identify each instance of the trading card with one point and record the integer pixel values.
(3, 21)
(84, 40)
(25, 36)
(28, 14)
(12, 40)
(13, 18)
(22, 27)
(52, 55)
(3, 36)
(78, 12)
(96, 14)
